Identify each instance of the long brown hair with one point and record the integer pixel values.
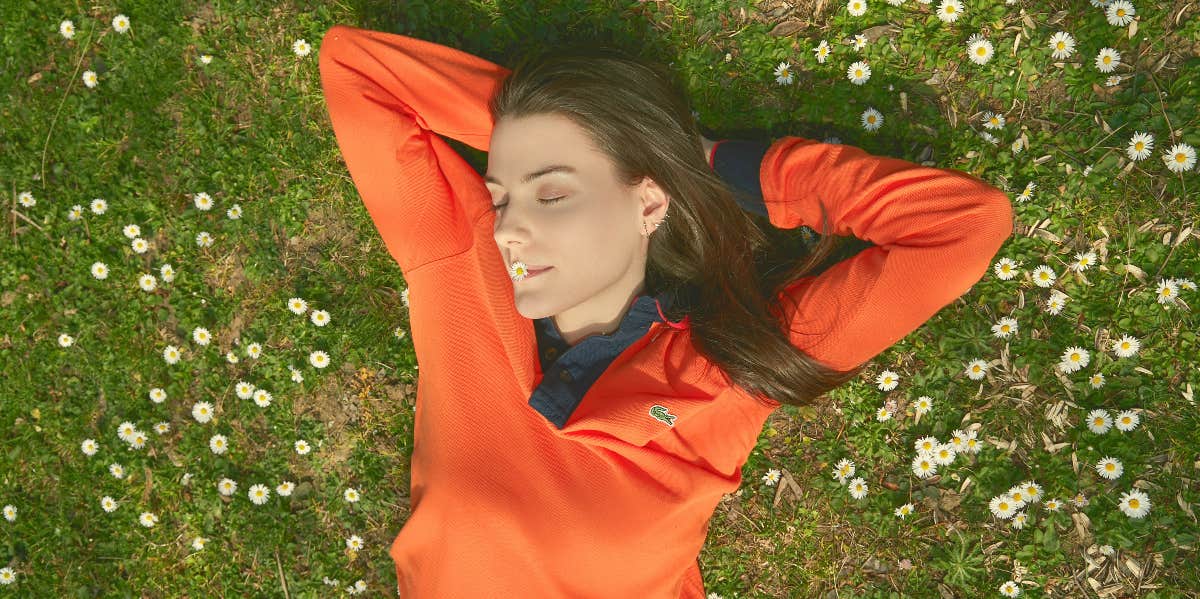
(727, 272)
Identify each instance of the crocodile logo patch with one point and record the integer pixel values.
(660, 413)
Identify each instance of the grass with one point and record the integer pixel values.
(250, 129)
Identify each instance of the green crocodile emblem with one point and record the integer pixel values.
(660, 413)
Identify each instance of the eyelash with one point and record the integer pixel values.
(547, 201)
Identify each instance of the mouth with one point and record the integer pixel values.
(533, 272)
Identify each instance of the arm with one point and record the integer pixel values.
(935, 233)
(387, 96)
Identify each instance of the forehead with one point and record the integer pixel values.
(521, 145)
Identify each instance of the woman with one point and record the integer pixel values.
(576, 426)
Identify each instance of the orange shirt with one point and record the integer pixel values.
(611, 498)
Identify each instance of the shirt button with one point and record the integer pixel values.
(565, 376)
(551, 353)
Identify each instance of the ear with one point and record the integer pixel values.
(655, 200)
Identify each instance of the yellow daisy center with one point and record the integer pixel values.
(1133, 504)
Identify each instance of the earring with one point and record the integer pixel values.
(646, 226)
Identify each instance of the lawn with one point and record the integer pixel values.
(207, 371)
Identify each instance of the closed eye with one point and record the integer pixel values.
(543, 201)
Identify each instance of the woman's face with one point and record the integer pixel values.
(592, 238)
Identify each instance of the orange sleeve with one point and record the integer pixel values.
(935, 233)
(387, 94)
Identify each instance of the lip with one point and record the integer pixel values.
(533, 272)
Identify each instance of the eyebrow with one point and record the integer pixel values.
(538, 173)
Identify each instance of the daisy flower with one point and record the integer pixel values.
(771, 477)
(147, 282)
(98, 206)
(977, 369)
(319, 317)
(227, 486)
(949, 10)
(234, 212)
(1005, 269)
(108, 504)
(262, 398)
(205, 58)
(883, 414)
(992, 120)
(65, 340)
(148, 519)
(1083, 261)
(1055, 303)
(202, 411)
(923, 465)
(302, 447)
(1139, 146)
(1010, 589)
(1062, 45)
(259, 494)
(121, 23)
(99, 270)
(89, 78)
(1119, 13)
(1018, 520)
(1053, 505)
(904, 510)
(201, 336)
(922, 406)
(1043, 276)
(218, 444)
(1099, 421)
(297, 305)
(198, 543)
(1127, 421)
(66, 29)
(926, 444)
(858, 72)
(351, 495)
(783, 73)
(1180, 158)
(871, 119)
(857, 8)
(1107, 60)
(244, 390)
(301, 48)
(1002, 507)
(168, 273)
(822, 51)
(1110, 468)
(89, 447)
(318, 359)
(1167, 291)
(943, 455)
(1126, 346)
(10, 513)
(1033, 492)
(203, 201)
(354, 543)
(1005, 327)
(117, 470)
(1135, 504)
(858, 488)
(887, 380)
(979, 50)
(203, 239)
(1074, 358)
(254, 350)
(285, 488)
(843, 470)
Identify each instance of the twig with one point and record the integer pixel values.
(282, 580)
(70, 84)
